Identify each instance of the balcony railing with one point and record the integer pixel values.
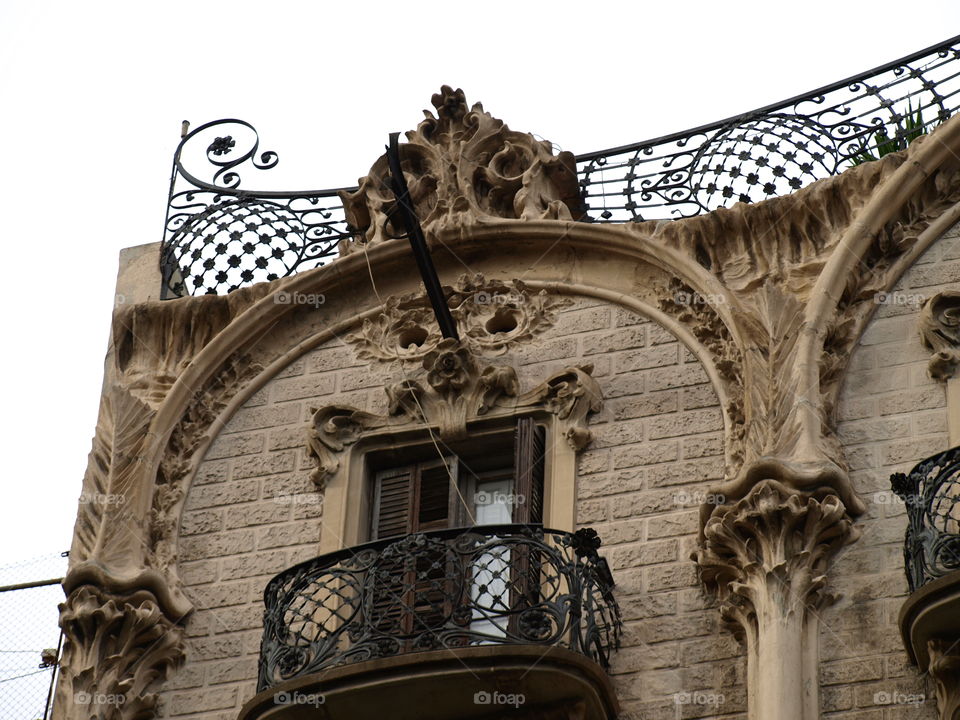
(931, 492)
(450, 589)
(218, 237)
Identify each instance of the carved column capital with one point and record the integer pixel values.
(117, 650)
(945, 670)
(766, 558)
(773, 545)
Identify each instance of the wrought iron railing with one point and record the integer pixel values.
(931, 492)
(497, 584)
(218, 237)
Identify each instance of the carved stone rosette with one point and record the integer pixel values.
(766, 558)
(455, 391)
(117, 650)
(945, 670)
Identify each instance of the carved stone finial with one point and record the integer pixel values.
(766, 558)
(117, 650)
(945, 670)
(940, 331)
(462, 167)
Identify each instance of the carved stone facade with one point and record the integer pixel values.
(727, 349)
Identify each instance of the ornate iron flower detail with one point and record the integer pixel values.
(585, 542)
(535, 624)
(222, 145)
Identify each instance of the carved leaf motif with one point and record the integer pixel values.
(940, 331)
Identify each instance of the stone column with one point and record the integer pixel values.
(766, 559)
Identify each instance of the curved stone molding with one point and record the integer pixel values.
(765, 558)
(940, 332)
(117, 650)
(944, 668)
(491, 316)
(455, 391)
(464, 166)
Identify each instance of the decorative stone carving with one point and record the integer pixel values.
(465, 166)
(766, 559)
(117, 650)
(940, 331)
(457, 391)
(491, 317)
(945, 670)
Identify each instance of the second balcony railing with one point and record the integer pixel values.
(449, 589)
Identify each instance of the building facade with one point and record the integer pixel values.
(650, 478)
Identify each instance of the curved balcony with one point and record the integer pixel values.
(931, 493)
(512, 609)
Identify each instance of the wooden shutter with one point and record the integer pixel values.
(393, 502)
(529, 449)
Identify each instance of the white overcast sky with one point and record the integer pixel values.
(92, 94)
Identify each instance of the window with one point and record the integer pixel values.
(495, 481)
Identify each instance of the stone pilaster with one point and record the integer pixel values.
(766, 559)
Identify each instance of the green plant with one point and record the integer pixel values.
(908, 129)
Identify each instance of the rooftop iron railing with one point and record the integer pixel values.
(448, 589)
(931, 492)
(219, 237)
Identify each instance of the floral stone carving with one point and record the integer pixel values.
(940, 331)
(464, 166)
(454, 391)
(491, 316)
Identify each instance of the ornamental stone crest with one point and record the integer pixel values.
(464, 166)
(455, 391)
(940, 332)
(491, 316)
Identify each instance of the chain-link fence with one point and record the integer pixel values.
(29, 635)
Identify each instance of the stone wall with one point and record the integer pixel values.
(892, 415)
(252, 512)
